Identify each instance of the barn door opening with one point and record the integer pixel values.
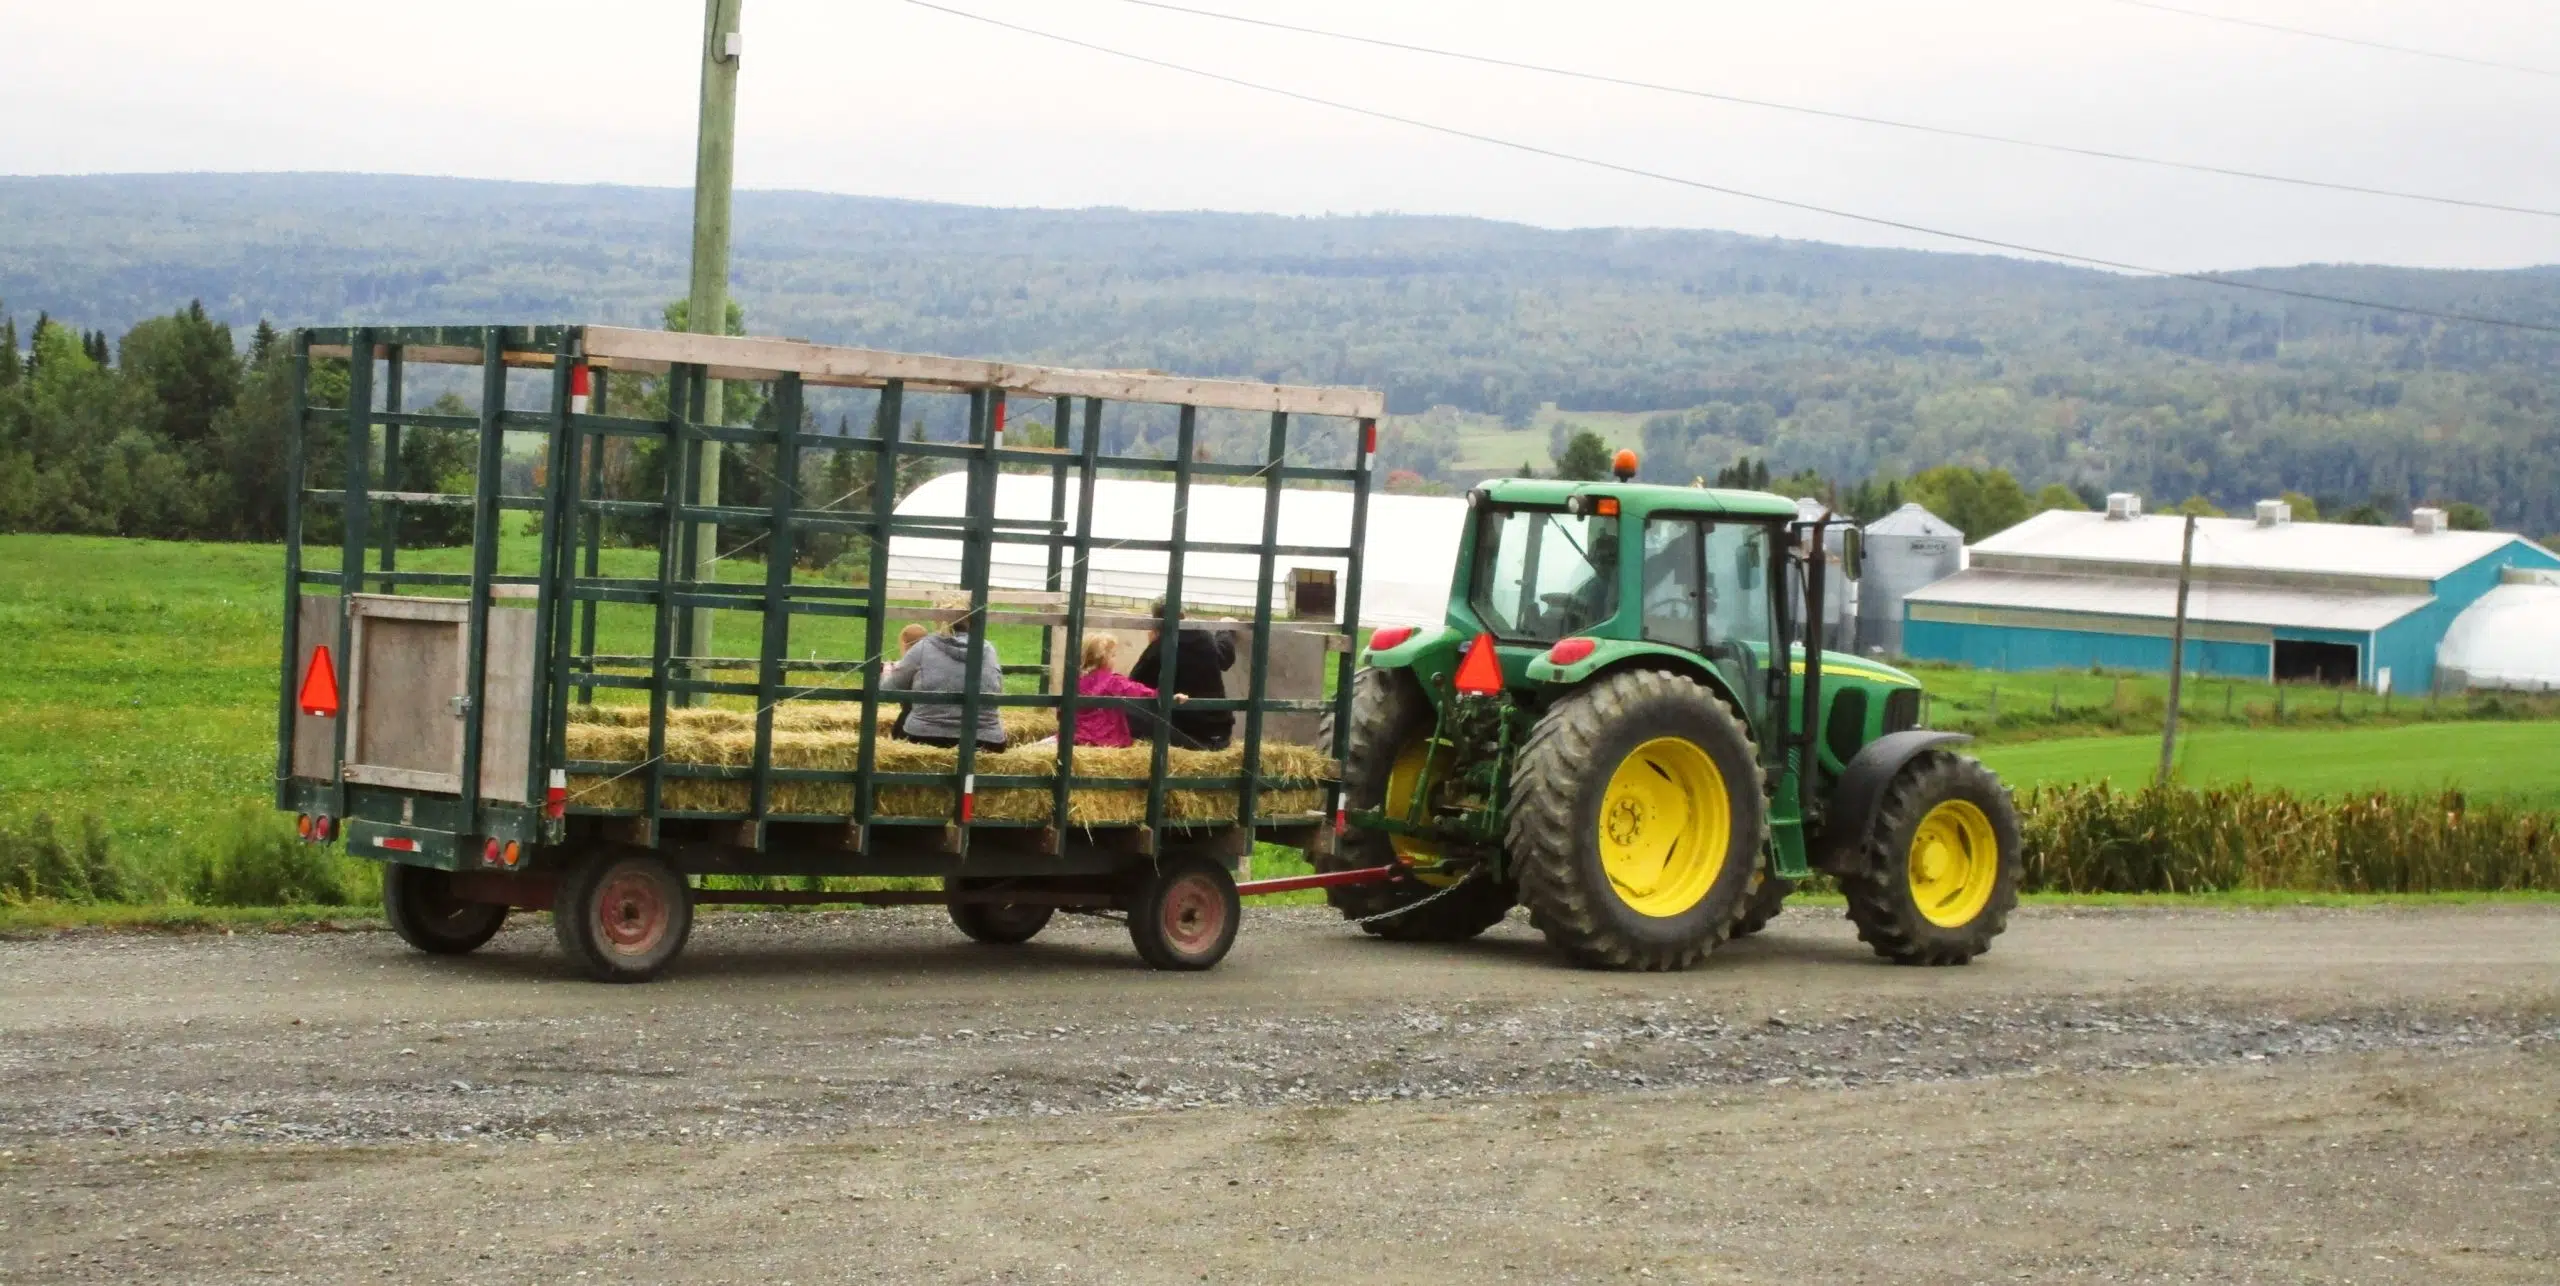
(2300, 661)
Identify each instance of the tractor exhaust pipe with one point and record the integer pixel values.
(1808, 737)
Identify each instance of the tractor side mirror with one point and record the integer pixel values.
(1853, 552)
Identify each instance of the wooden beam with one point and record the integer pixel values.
(733, 357)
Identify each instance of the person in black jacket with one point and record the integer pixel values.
(1199, 657)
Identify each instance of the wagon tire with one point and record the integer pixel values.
(623, 914)
(1001, 924)
(1183, 914)
(420, 904)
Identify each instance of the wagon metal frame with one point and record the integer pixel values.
(505, 827)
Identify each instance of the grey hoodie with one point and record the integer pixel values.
(936, 664)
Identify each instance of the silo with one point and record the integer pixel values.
(1906, 550)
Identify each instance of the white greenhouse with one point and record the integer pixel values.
(1411, 545)
(2508, 637)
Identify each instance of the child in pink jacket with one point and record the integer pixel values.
(1108, 726)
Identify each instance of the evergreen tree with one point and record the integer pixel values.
(262, 342)
(9, 361)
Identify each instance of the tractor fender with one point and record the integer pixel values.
(1861, 789)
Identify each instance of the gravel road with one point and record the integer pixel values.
(2118, 1095)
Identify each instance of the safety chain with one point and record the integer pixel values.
(1410, 907)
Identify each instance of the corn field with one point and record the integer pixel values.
(2176, 839)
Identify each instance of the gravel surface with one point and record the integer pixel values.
(161, 1096)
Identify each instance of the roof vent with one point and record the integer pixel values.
(2123, 506)
(2274, 513)
(2426, 522)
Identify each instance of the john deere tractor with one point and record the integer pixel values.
(1626, 723)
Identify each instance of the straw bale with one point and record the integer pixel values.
(826, 738)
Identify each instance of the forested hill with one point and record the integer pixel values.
(1849, 361)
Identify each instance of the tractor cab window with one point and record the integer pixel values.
(1541, 574)
(1705, 587)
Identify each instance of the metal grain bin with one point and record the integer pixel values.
(1906, 550)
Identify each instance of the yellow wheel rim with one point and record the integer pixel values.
(1955, 860)
(1665, 823)
(1402, 777)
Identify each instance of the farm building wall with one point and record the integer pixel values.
(2023, 647)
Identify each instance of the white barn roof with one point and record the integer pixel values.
(2153, 597)
(2240, 544)
(1411, 547)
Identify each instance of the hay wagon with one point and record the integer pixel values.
(636, 698)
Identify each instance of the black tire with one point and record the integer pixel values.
(419, 902)
(1002, 924)
(622, 914)
(1768, 899)
(1885, 897)
(1565, 771)
(1388, 710)
(1184, 913)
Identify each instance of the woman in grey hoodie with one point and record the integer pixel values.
(940, 663)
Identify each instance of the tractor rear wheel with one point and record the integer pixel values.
(419, 903)
(1768, 898)
(1637, 821)
(1391, 723)
(1942, 864)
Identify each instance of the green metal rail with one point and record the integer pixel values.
(569, 586)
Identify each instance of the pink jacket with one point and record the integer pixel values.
(1107, 727)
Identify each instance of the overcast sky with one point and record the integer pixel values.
(880, 97)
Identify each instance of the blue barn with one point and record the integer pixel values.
(2271, 598)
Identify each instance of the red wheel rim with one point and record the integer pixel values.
(631, 912)
(1194, 914)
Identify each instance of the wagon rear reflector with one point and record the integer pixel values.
(320, 685)
(399, 843)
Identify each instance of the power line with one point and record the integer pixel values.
(1533, 149)
(2334, 38)
(1829, 114)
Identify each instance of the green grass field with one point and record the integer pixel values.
(2516, 761)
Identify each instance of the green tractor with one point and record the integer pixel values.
(1621, 726)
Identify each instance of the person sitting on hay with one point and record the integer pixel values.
(1199, 657)
(940, 663)
(1109, 725)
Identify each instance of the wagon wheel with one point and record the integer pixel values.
(1184, 914)
(623, 914)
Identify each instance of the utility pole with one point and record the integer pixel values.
(707, 305)
(2178, 653)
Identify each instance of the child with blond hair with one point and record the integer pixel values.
(1108, 725)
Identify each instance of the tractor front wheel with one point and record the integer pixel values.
(1391, 724)
(1637, 821)
(1942, 864)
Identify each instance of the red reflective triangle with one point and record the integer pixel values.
(320, 685)
(1481, 671)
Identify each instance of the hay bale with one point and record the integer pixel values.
(819, 737)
